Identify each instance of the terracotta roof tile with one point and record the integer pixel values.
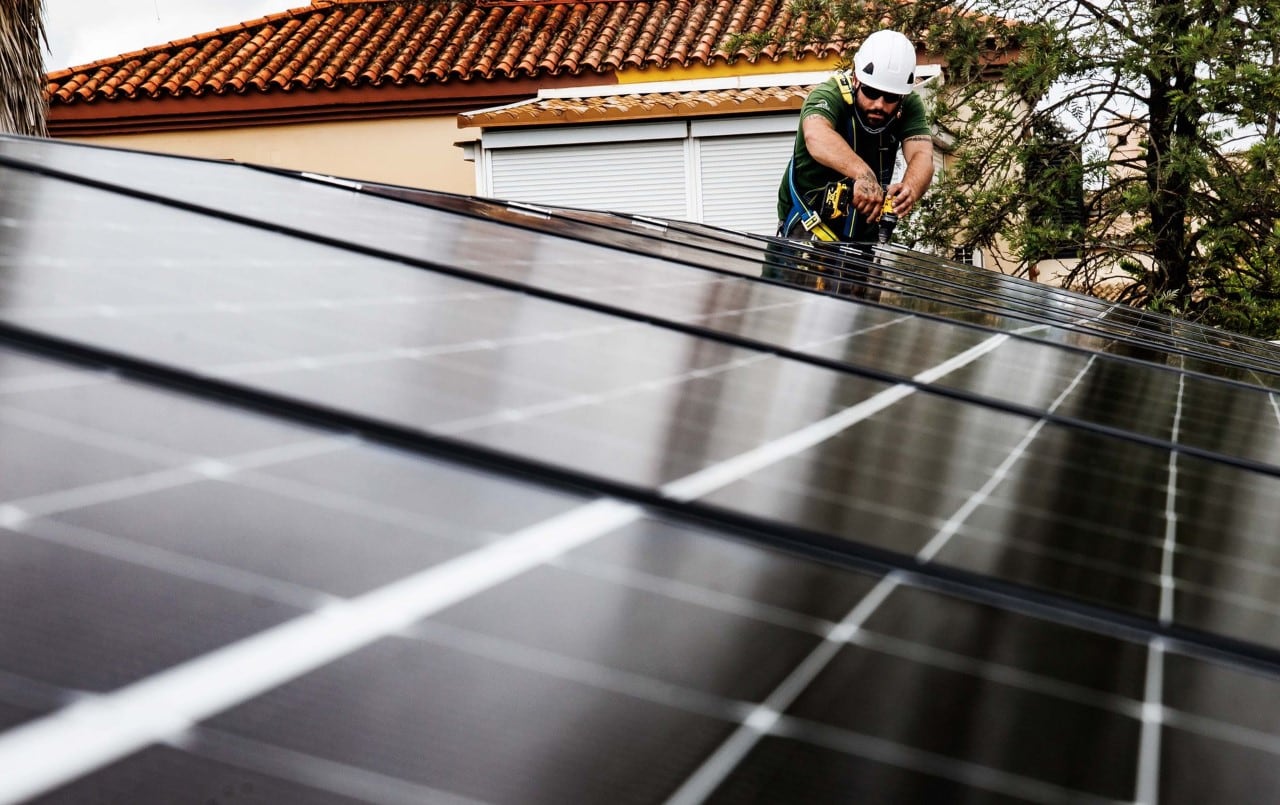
(623, 105)
(333, 43)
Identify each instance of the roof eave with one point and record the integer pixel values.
(238, 110)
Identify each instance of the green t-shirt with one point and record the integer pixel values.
(878, 150)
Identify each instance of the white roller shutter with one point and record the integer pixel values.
(645, 178)
(739, 180)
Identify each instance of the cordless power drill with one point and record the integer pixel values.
(888, 219)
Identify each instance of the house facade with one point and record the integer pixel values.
(617, 104)
(373, 90)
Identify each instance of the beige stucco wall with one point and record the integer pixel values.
(418, 152)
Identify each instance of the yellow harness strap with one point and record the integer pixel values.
(845, 83)
(814, 225)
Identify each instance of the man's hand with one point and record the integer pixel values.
(868, 199)
(904, 197)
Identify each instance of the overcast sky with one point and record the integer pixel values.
(82, 31)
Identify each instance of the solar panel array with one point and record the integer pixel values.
(314, 490)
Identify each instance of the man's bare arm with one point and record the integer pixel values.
(917, 150)
(829, 148)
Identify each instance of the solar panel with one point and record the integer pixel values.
(318, 490)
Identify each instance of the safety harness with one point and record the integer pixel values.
(836, 198)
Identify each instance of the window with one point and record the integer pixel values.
(967, 255)
(724, 172)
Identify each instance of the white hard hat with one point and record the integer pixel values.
(887, 62)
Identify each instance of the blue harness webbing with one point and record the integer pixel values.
(810, 220)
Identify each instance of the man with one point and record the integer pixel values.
(851, 127)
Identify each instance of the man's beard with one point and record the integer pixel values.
(875, 117)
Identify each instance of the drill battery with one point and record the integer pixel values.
(837, 200)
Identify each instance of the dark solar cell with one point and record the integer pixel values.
(652, 634)
(294, 535)
(87, 621)
(481, 727)
(969, 717)
(684, 561)
(164, 774)
(781, 769)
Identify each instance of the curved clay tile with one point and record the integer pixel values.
(187, 65)
(645, 33)
(440, 35)
(248, 73)
(680, 53)
(669, 34)
(763, 14)
(173, 73)
(472, 60)
(449, 61)
(416, 29)
(323, 65)
(71, 87)
(278, 51)
(645, 46)
(528, 63)
(346, 28)
(695, 23)
(242, 48)
(563, 41)
(632, 30)
(738, 17)
(517, 31)
(391, 35)
(110, 81)
(301, 66)
(98, 82)
(104, 74)
(402, 45)
(200, 77)
(504, 40)
(712, 33)
(598, 24)
(369, 39)
(603, 32)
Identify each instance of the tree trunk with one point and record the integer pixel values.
(22, 37)
(1168, 176)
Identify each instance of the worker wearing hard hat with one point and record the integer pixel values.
(851, 128)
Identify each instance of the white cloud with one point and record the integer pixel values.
(83, 31)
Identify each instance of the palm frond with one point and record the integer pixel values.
(22, 39)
